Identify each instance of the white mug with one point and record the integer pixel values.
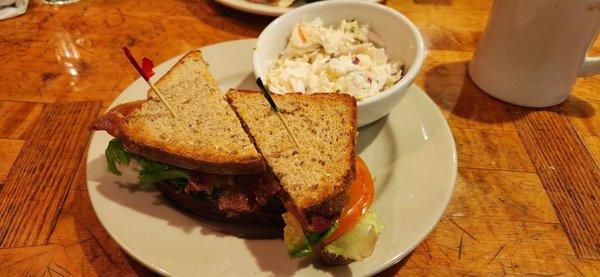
(532, 51)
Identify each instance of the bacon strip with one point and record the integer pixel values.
(114, 120)
(264, 187)
(241, 193)
(238, 199)
(199, 183)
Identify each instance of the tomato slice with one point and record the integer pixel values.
(360, 197)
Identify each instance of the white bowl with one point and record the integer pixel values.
(398, 35)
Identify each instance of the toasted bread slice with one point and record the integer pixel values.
(315, 175)
(206, 135)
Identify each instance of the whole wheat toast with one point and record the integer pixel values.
(315, 175)
(206, 135)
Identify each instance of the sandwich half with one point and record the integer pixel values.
(202, 160)
(325, 189)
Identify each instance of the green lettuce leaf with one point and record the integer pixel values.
(317, 237)
(359, 242)
(150, 172)
(298, 242)
(116, 154)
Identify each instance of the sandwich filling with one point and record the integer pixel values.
(234, 194)
(352, 237)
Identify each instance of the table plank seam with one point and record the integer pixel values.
(568, 172)
(496, 169)
(61, 134)
(504, 219)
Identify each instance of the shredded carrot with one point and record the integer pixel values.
(301, 32)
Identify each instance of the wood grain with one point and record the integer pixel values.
(51, 260)
(433, 2)
(592, 144)
(79, 57)
(585, 116)
(22, 115)
(501, 195)
(9, 150)
(497, 223)
(587, 87)
(85, 240)
(569, 174)
(464, 246)
(491, 149)
(41, 176)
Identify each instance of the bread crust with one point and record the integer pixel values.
(330, 259)
(157, 153)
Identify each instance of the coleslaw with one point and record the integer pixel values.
(338, 59)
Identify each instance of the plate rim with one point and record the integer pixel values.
(254, 8)
(264, 9)
(384, 265)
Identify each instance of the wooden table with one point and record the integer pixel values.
(526, 201)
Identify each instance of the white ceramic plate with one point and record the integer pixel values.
(411, 154)
(264, 9)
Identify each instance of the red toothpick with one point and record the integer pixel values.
(146, 72)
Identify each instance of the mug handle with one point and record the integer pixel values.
(591, 66)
